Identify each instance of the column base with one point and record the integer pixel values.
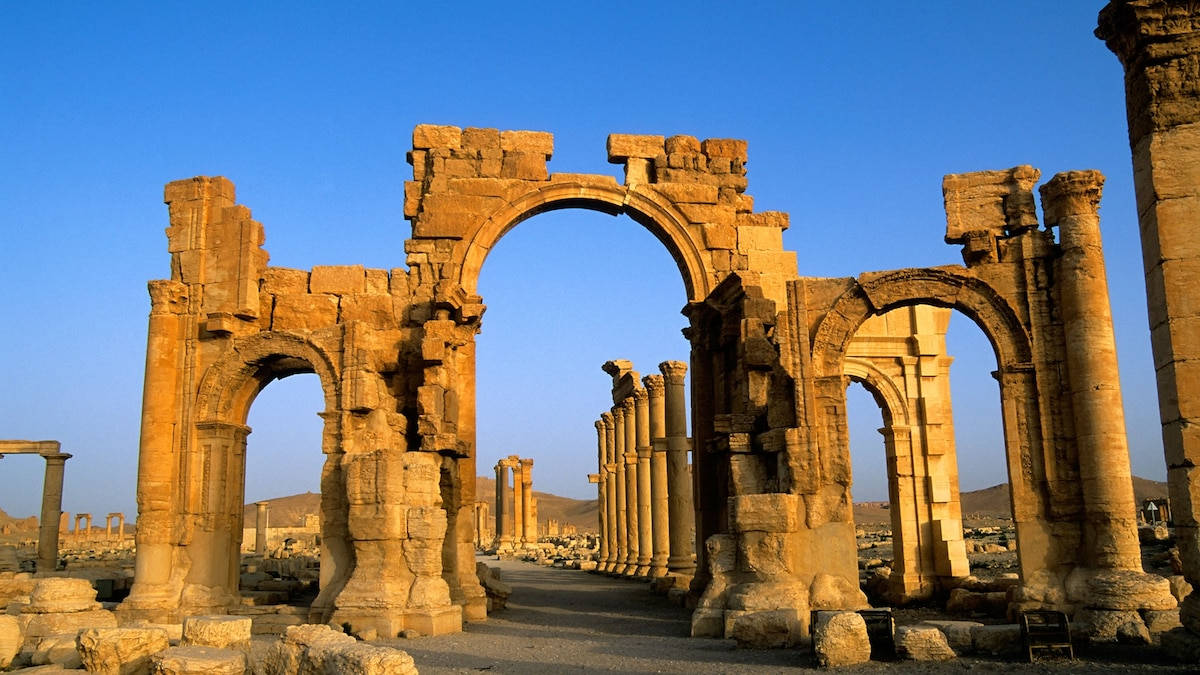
(389, 623)
(643, 571)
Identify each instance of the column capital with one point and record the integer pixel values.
(606, 418)
(640, 395)
(631, 457)
(526, 462)
(655, 385)
(1071, 193)
(673, 371)
(57, 458)
(1133, 28)
(628, 405)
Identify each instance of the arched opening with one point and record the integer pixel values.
(20, 511)
(283, 463)
(566, 292)
(903, 357)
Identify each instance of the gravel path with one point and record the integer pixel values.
(566, 621)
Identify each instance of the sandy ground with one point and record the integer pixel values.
(560, 621)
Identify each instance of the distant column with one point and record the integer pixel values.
(260, 528)
(682, 560)
(631, 486)
(504, 535)
(641, 401)
(622, 518)
(609, 470)
(658, 477)
(121, 526)
(529, 509)
(518, 510)
(601, 497)
(52, 487)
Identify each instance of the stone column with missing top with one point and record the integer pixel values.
(682, 561)
(622, 515)
(260, 529)
(1071, 201)
(601, 496)
(659, 508)
(528, 509)
(641, 402)
(52, 488)
(518, 510)
(629, 464)
(504, 536)
(609, 470)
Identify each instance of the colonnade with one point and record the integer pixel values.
(644, 484)
(52, 487)
(516, 507)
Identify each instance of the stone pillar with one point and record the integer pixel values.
(680, 512)
(645, 521)
(601, 497)
(622, 514)
(629, 464)
(504, 534)
(659, 509)
(609, 471)
(529, 514)
(260, 528)
(52, 487)
(121, 526)
(518, 510)
(1071, 201)
(1158, 43)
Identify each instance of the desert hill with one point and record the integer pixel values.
(582, 513)
(29, 524)
(285, 511)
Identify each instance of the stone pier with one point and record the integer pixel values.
(261, 523)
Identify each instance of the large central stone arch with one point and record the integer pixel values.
(596, 193)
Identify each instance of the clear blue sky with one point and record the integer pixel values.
(853, 112)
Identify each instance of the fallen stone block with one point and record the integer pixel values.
(119, 651)
(42, 625)
(194, 660)
(10, 640)
(923, 643)
(1127, 589)
(303, 649)
(57, 650)
(958, 633)
(1106, 626)
(55, 595)
(365, 659)
(998, 640)
(840, 639)
(223, 632)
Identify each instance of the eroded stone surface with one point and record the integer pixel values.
(119, 650)
(840, 639)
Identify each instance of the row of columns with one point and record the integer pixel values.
(516, 507)
(643, 484)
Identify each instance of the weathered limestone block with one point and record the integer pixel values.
(923, 643)
(1103, 625)
(998, 640)
(374, 310)
(958, 633)
(57, 650)
(42, 625)
(303, 311)
(829, 591)
(1180, 588)
(15, 585)
(8, 559)
(304, 649)
(1128, 590)
(198, 661)
(61, 594)
(840, 639)
(771, 512)
(497, 591)
(625, 146)
(766, 629)
(120, 651)
(222, 632)
(366, 659)
(10, 639)
(1161, 620)
(338, 279)
(427, 136)
(285, 281)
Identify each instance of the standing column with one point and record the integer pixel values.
(1158, 43)
(504, 535)
(528, 505)
(621, 517)
(628, 410)
(682, 560)
(658, 476)
(641, 402)
(52, 487)
(121, 526)
(601, 496)
(1071, 201)
(518, 510)
(609, 471)
(260, 529)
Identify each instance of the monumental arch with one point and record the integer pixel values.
(395, 353)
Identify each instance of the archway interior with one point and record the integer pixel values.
(566, 291)
(283, 463)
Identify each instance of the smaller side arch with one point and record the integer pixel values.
(883, 388)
